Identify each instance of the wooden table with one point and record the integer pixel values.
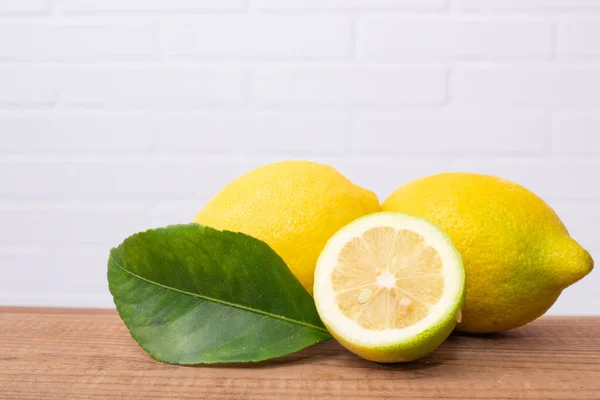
(88, 354)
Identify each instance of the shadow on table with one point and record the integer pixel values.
(329, 353)
(506, 335)
(314, 354)
(333, 354)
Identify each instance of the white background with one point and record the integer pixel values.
(120, 115)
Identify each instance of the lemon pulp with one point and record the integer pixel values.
(387, 278)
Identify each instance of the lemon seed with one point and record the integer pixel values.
(405, 302)
(364, 295)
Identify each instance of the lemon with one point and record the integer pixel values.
(389, 287)
(518, 254)
(293, 206)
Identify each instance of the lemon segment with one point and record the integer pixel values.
(389, 287)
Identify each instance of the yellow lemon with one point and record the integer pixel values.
(293, 206)
(389, 287)
(518, 255)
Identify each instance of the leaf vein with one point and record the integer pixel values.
(199, 296)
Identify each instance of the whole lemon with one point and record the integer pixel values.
(518, 255)
(293, 206)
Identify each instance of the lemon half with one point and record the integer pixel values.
(389, 287)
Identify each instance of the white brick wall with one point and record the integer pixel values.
(261, 38)
(346, 5)
(517, 6)
(119, 115)
(542, 86)
(24, 7)
(574, 38)
(137, 7)
(390, 37)
(349, 86)
(155, 87)
(78, 41)
(25, 87)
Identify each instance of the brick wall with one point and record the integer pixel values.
(119, 115)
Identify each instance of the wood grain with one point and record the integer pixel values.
(88, 354)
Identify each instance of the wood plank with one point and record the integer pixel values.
(88, 354)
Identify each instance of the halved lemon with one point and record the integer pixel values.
(390, 287)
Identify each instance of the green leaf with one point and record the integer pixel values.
(190, 294)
